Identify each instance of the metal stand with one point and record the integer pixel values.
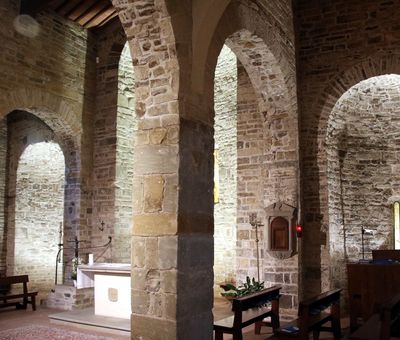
(255, 224)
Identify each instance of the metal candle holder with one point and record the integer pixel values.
(255, 224)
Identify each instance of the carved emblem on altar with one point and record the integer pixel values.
(113, 294)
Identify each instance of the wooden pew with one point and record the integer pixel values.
(313, 316)
(21, 300)
(248, 310)
(382, 325)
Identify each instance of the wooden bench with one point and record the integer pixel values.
(313, 316)
(20, 301)
(381, 325)
(250, 309)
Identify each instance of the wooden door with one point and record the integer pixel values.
(280, 234)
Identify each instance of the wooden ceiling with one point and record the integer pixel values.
(87, 13)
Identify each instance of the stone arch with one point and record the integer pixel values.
(270, 70)
(260, 21)
(155, 55)
(47, 106)
(113, 139)
(165, 148)
(375, 65)
(33, 239)
(56, 112)
(59, 115)
(362, 142)
(314, 183)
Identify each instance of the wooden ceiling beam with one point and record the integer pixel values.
(111, 17)
(100, 17)
(80, 10)
(94, 11)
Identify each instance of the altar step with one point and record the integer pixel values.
(67, 297)
(87, 319)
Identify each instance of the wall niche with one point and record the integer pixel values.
(280, 231)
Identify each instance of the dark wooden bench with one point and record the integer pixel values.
(313, 316)
(250, 309)
(20, 301)
(381, 325)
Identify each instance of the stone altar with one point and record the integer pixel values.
(112, 287)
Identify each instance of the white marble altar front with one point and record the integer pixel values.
(112, 285)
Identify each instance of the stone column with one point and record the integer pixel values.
(195, 227)
(172, 244)
(155, 229)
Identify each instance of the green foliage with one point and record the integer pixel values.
(250, 286)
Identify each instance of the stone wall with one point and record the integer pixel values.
(35, 206)
(49, 72)
(70, 298)
(225, 137)
(257, 176)
(250, 176)
(363, 142)
(340, 44)
(113, 146)
(126, 130)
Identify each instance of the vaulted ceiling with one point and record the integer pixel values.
(87, 13)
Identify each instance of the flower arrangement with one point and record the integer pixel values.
(250, 286)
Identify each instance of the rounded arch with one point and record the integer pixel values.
(39, 187)
(267, 77)
(362, 142)
(252, 28)
(263, 69)
(53, 110)
(375, 65)
(61, 118)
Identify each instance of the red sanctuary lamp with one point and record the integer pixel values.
(299, 230)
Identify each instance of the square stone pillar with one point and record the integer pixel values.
(172, 243)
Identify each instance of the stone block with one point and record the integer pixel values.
(139, 278)
(155, 224)
(170, 201)
(170, 302)
(152, 281)
(168, 252)
(169, 280)
(156, 305)
(158, 136)
(147, 327)
(152, 253)
(153, 193)
(140, 302)
(138, 252)
(153, 159)
(195, 250)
